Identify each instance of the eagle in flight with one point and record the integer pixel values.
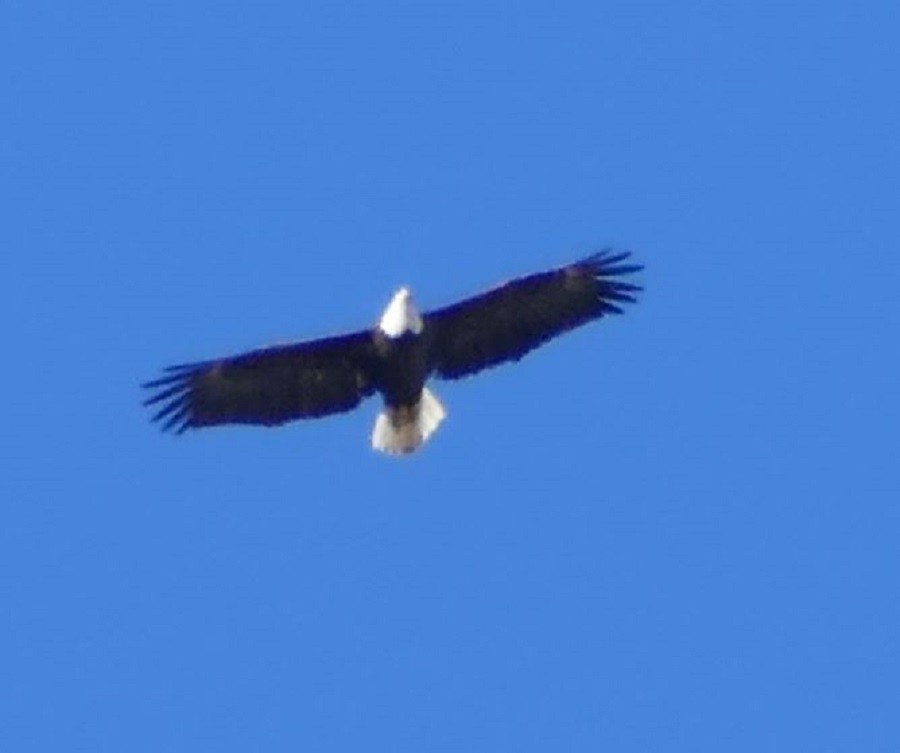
(316, 378)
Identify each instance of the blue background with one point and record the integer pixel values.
(675, 530)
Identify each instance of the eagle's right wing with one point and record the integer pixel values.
(268, 386)
(509, 321)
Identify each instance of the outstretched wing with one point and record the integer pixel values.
(267, 387)
(507, 322)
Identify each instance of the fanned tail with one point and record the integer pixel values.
(400, 430)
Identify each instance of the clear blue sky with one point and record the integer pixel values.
(677, 530)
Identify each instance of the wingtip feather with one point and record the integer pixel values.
(172, 390)
(607, 262)
(607, 266)
(177, 422)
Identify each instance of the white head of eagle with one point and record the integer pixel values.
(315, 378)
(401, 315)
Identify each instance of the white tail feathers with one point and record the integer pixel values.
(402, 430)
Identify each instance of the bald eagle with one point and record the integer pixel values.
(332, 375)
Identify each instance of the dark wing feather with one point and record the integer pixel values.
(269, 386)
(507, 322)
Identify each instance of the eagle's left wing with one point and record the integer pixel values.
(269, 386)
(507, 322)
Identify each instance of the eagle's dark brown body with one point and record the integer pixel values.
(402, 365)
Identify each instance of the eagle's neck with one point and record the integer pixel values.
(401, 315)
